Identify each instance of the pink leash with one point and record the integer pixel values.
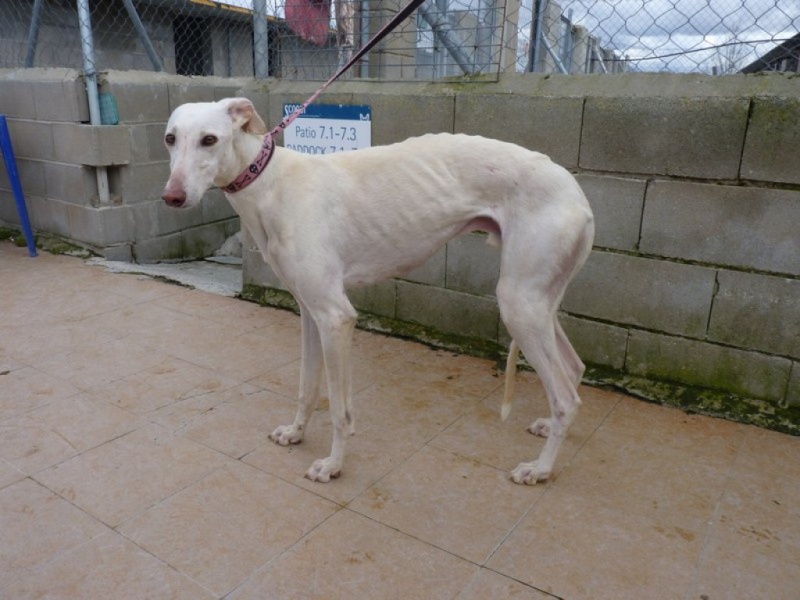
(261, 161)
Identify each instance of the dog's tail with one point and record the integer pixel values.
(511, 372)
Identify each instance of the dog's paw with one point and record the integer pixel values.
(287, 434)
(324, 469)
(529, 473)
(540, 427)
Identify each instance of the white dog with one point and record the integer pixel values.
(325, 223)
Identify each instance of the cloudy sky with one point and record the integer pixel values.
(653, 29)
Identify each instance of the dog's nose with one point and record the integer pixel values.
(173, 198)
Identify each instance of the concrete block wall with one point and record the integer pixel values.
(57, 152)
(692, 293)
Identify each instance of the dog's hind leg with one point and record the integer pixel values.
(572, 361)
(311, 364)
(530, 320)
(528, 294)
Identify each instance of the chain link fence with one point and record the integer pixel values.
(308, 39)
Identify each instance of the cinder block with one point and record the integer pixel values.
(551, 126)
(652, 294)
(793, 390)
(154, 218)
(31, 175)
(100, 145)
(100, 226)
(596, 343)
(31, 139)
(216, 206)
(432, 271)
(379, 299)
(49, 215)
(119, 253)
(147, 143)
(755, 228)
(770, 148)
(183, 92)
(617, 204)
(757, 312)
(235, 87)
(255, 270)
(71, 183)
(472, 265)
(63, 101)
(140, 97)
(398, 117)
(139, 183)
(692, 362)
(447, 310)
(8, 210)
(197, 242)
(688, 136)
(16, 99)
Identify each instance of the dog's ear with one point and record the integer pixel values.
(244, 116)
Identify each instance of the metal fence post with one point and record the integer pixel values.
(142, 33)
(90, 74)
(33, 33)
(260, 39)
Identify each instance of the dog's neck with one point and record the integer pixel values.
(257, 165)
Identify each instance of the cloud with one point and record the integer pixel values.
(683, 35)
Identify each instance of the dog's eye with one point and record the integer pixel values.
(169, 140)
(209, 140)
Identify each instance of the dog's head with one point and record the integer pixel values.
(201, 140)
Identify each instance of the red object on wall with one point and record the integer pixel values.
(310, 19)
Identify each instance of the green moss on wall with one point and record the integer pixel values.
(692, 399)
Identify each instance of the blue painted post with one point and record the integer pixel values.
(16, 186)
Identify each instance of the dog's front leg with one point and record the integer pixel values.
(310, 375)
(336, 333)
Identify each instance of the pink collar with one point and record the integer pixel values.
(255, 169)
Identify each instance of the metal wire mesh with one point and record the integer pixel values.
(308, 39)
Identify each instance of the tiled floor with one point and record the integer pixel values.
(134, 463)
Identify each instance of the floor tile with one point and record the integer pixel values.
(160, 386)
(350, 556)
(222, 528)
(242, 422)
(248, 355)
(573, 547)
(130, 474)
(9, 474)
(450, 502)
(761, 505)
(436, 368)
(26, 389)
(481, 435)
(488, 585)
(370, 455)
(737, 571)
(108, 566)
(37, 526)
(693, 438)
(188, 338)
(422, 408)
(86, 367)
(36, 341)
(636, 476)
(61, 429)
